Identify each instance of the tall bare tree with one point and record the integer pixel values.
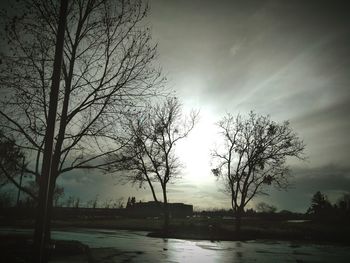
(108, 68)
(12, 163)
(252, 155)
(155, 133)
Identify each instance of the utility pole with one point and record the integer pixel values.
(41, 238)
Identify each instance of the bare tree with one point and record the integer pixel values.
(10, 160)
(12, 166)
(263, 207)
(155, 133)
(107, 69)
(253, 155)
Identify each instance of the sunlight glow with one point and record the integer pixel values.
(194, 151)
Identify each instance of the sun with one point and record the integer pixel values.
(194, 151)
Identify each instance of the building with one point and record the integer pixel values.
(155, 209)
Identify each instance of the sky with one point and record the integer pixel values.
(286, 59)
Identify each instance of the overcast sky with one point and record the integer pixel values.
(288, 59)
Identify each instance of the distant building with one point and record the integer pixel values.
(155, 209)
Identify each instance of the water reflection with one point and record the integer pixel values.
(192, 251)
(135, 246)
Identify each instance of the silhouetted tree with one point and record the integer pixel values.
(70, 201)
(58, 194)
(319, 204)
(131, 201)
(76, 202)
(118, 203)
(263, 207)
(6, 199)
(12, 164)
(92, 203)
(155, 133)
(10, 159)
(108, 68)
(33, 188)
(252, 155)
(250, 212)
(344, 202)
(128, 205)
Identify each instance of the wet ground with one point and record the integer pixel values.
(134, 246)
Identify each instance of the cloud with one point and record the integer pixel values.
(330, 179)
(234, 49)
(327, 176)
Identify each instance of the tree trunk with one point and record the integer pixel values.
(165, 210)
(40, 235)
(50, 204)
(152, 189)
(238, 217)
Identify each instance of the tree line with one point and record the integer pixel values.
(322, 209)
